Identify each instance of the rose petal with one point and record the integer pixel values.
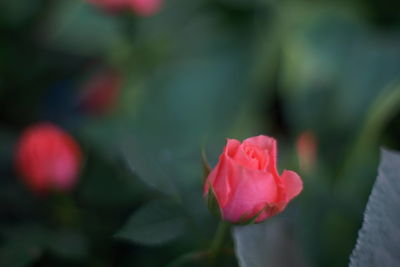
(145, 7)
(231, 148)
(293, 184)
(250, 156)
(262, 141)
(220, 177)
(269, 145)
(260, 186)
(219, 180)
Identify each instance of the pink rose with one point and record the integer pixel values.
(246, 183)
(140, 7)
(48, 158)
(145, 7)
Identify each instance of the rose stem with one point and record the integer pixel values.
(219, 238)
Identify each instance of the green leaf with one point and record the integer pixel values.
(74, 26)
(23, 245)
(155, 223)
(16, 254)
(68, 244)
(378, 239)
(16, 12)
(154, 166)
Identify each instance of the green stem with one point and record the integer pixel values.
(381, 111)
(212, 254)
(65, 212)
(218, 242)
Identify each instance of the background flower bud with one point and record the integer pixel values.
(145, 7)
(100, 92)
(306, 150)
(48, 158)
(246, 184)
(139, 7)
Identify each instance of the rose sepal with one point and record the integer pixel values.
(212, 202)
(245, 220)
(205, 164)
(211, 198)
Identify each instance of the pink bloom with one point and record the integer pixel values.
(140, 7)
(48, 158)
(307, 150)
(100, 92)
(145, 7)
(246, 182)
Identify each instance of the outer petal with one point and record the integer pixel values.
(254, 191)
(221, 178)
(293, 184)
(230, 150)
(218, 180)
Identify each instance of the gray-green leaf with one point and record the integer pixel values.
(267, 244)
(378, 240)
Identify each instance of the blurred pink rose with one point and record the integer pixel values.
(140, 7)
(307, 150)
(48, 158)
(100, 93)
(246, 182)
(146, 7)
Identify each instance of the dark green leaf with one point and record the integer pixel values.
(23, 245)
(68, 244)
(69, 16)
(155, 223)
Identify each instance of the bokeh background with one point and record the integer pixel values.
(142, 95)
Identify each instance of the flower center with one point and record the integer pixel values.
(256, 157)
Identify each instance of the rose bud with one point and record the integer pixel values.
(47, 158)
(139, 7)
(100, 93)
(245, 183)
(306, 150)
(145, 7)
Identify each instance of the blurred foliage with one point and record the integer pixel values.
(194, 74)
